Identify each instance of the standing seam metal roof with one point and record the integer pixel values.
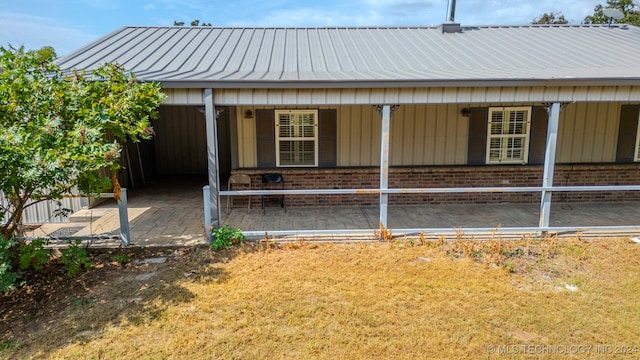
(361, 56)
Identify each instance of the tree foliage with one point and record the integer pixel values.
(550, 18)
(61, 130)
(193, 23)
(627, 7)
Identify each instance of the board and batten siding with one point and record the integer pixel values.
(435, 95)
(428, 135)
(183, 97)
(180, 141)
(588, 132)
(438, 134)
(376, 96)
(420, 134)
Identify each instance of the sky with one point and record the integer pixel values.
(68, 25)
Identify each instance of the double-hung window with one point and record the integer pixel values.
(296, 137)
(508, 135)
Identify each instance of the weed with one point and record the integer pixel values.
(34, 255)
(469, 248)
(511, 267)
(75, 258)
(9, 344)
(422, 238)
(225, 237)
(494, 252)
(384, 234)
(122, 258)
(549, 246)
(575, 250)
(81, 302)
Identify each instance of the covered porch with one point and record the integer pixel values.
(171, 213)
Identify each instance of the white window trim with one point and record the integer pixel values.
(636, 156)
(315, 138)
(526, 141)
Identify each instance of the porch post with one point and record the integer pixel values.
(549, 163)
(123, 215)
(212, 157)
(384, 163)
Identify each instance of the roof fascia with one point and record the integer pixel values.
(631, 81)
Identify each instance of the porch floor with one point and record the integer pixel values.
(170, 213)
(436, 217)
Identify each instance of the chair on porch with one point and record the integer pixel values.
(238, 182)
(271, 181)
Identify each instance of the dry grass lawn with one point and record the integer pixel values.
(399, 299)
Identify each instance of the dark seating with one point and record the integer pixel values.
(273, 181)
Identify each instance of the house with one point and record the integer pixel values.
(394, 115)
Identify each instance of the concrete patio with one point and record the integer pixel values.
(171, 213)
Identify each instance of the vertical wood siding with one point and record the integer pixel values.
(180, 141)
(420, 135)
(437, 134)
(183, 97)
(588, 132)
(453, 95)
(428, 135)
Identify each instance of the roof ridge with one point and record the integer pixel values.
(430, 27)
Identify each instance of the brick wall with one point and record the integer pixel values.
(453, 176)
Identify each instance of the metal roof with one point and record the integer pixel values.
(370, 56)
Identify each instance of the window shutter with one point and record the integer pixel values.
(266, 139)
(327, 138)
(627, 131)
(538, 136)
(477, 145)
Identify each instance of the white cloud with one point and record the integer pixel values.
(34, 32)
(149, 7)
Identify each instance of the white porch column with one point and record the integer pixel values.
(212, 157)
(549, 163)
(384, 163)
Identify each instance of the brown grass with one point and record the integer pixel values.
(407, 298)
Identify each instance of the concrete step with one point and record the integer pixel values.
(88, 215)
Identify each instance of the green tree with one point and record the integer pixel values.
(550, 18)
(193, 23)
(627, 7)
(61, 130)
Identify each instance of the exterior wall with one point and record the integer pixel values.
(426, 95)
(437, 134)
(183, 97)
(180, 141)
(427, 135)
(588, 132)
(420, 134)
(453, 176)
(44, 211)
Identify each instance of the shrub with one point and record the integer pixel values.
(34, 255)
(7, 277)
(225, 237)
(75, 258)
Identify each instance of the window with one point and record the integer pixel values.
(508, 135)
(296, 138)
(637, 148)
